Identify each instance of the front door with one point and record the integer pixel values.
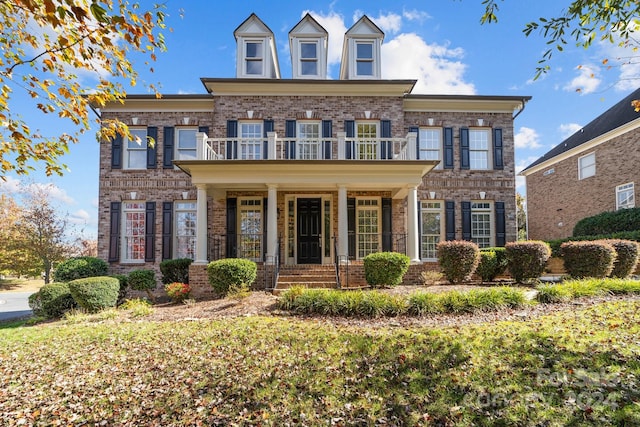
(309, 230)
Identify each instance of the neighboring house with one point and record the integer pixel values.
(593, 171)
(306, 170)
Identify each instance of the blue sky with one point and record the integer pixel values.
(439, 42)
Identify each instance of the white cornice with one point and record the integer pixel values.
(152, 105)
(471, 103)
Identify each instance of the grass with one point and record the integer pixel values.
(570, 289)
(572, 368)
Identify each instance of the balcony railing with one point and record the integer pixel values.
(274, 148)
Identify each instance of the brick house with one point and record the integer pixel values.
(592, 171)
(307, 173)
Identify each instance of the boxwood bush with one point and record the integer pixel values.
(527, 260)
(95, 293)
(609, 222)
(458, 259)
(621, 235)
(588, 259)
(493, 262)
(123, 279)
(56, 299)
(175, 270)
(627, 253)
(231, 272)
(385, 268)
(78, 268)
(143, 280)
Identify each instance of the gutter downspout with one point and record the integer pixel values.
(524, 103)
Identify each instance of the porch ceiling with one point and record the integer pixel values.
(394, 176)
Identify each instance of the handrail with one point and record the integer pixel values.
(335, 258)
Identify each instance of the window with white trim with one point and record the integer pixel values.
(625, 196)
(364, 59)
(250, 226)
(479, 149)
(431, 214)
(367, 145)
(135, 150)
(186, 144)
(430, 140)
(133, 231)
(309, 58)
(254, 57)
(481, 220)
(367, 226)
(308, 146)
(185, 226)
(587, 166)
(251, 141)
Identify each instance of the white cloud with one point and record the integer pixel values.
(520, 180)
(619, 55)
(437, 67)
(334, 24)
(10, 185)
(527, 138)
(390, 23)
(54, 192)
(415, 15)
(587, 80)
(568, 129)
(79, 217)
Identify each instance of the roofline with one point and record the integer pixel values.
(524, 98)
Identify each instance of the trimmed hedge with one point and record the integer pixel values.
(56, 299)
(95, 293)
(458, 259)
(385, 268)
(124, 284)
(78, 268)
(623, 235)
(588, 259)
(175, 270)
(143, 280)
(527, 260)
(231, 272)
(493, 262)
(609, 222)
(627, 258)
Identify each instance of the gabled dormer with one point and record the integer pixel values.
(256, 50)
(361, 51)
(308, 45)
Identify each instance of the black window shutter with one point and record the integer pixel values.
(152, 147)
(290, 145)
(327, 132)
(386, 147)
(351, 226)
(114, 233)
(387, 237)
(501, 226)
(204, 129)
(265, 212)
(498, 162)
(267, 127)
(150, 232)
(232, 209)
(464, 148)
(167, 230)
(466, 220)
(116, 152)
(448, 148)
(232, 145)
(450, 219)
(416, 129)
(350, 130)
(167, 147)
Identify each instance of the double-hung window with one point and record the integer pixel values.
(431, 145)
(254, 57)
(481, 219)
(136, 149)
(308, 147)
(368, 226)
(186, 144)
(431, 230)
(133, 232)
(309, 58)
(367, 145)
(364, 59)
(251, 141)
(479, 149)
(625, 196)
(587, 166)
(250, 226)
(185, 226)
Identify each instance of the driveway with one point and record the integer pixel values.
(14, 305)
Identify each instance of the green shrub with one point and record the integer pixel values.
(56, 299)
(627, 253)
(137, 307)
(458, 259)
(588, 259)
(609, 222)
(78, 268)
(123, 279)
(527, 260)
(385, 268)
(95, 293)
(35, 304)
(621, 235)
(493, 262)
(175, 270)
(143, 280)
(225, 273)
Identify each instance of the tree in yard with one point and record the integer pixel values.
(14, 258)
(521, 217)
(45, 46)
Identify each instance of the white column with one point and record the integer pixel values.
(342, 140)
(271, 145)
(412, 226)
(272, 222)
(200, 142)
(412, 140)
(343, 223)
(201, 230)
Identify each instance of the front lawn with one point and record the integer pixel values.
(575, 367)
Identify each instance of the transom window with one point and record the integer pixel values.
(185, 226)
(479, 149)
(367, 142)
(250, 226)
(431, 145)
(587, 166)
(133, 238)
(254, 60)
(308, 147)
(364, 58)
(481, 224)
(431, 230)
(625, 196)
(186, 144)
(136, 149)
(368, 227)
(251, 141)
(309, 58)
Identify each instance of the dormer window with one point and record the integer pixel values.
(364, 59)
(308, 46)
(254, 58)
(256, 55)
(309, 58)
(361, 51)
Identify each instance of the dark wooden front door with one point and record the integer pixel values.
(309, 228)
